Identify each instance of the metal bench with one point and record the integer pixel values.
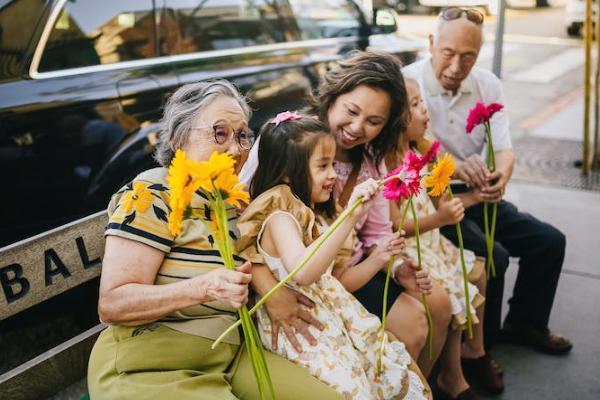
(34, 271)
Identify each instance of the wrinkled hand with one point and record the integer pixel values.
(493, 190)
(409, 277)
(285, 311)
(388, 246)
(226, 285)
(450, 211)
(367, 191)
(473, 171)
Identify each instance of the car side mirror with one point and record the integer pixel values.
(384, 21)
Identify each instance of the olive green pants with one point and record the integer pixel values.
(157, 362)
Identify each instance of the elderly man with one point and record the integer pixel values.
(451, 85)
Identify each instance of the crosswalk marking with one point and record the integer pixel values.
(487, 51)
(552, 68)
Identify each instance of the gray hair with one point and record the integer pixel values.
(182, 107)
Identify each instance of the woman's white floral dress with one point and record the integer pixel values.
(442, 259)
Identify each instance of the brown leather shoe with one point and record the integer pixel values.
(466, 394)
(544, 341)
(483, 372)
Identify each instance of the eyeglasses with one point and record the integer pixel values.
(223, 133)
(452, 13)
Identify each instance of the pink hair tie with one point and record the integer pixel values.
(286, 116)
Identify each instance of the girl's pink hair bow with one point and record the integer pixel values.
(286, 116)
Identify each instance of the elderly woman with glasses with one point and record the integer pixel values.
(167, 297)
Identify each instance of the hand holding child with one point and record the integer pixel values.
(288, 311)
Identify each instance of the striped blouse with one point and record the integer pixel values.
(139, 211)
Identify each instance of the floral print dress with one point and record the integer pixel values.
(346, 352)
(442, 259)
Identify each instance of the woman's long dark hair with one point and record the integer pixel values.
(283, 154)
(376, 70)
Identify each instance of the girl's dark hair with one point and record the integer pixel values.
(376, 70)
(283, 154)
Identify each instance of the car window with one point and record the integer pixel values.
(187, 26)
(18, 19)
(326, 18)
(91, 32)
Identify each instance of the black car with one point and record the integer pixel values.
(82, 85)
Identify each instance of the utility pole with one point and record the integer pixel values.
(499, 42)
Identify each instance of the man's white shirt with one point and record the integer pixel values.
(448, 113)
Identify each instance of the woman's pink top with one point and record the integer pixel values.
(377, 223)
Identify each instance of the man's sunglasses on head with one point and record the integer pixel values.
(452, 13)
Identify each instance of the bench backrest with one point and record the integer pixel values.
(43, 266)
(35, 270)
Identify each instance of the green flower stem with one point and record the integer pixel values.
(297, 269)
(486, 228)
(390, 263)
(464, 273)
(420, 266)
(385, 295)
(253, 343)
(490, 231)
(492, 239)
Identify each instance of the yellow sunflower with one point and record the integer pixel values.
(138, 199)
(231, 189)
(440, 176)
(217, 164)
(181, 189)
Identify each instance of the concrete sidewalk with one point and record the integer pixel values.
(531, 375)
(556, 200)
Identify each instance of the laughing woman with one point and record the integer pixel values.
(166, 298)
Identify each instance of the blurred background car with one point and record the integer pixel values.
(575, 15)
(490, 6)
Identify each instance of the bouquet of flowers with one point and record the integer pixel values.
(406, 188)
(216, 181)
